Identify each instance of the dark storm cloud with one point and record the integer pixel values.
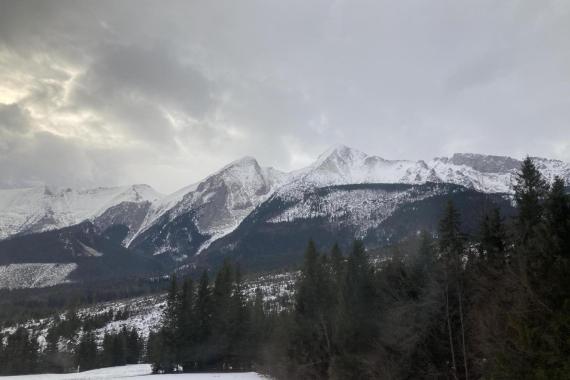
(164, 92)
(135, 87)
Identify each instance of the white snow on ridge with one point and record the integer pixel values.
(221, 201)
(363, 208)
(44, 208)
(342, 165)
(34, 275)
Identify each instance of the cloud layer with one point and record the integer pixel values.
(165, 92)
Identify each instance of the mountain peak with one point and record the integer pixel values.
(340, 152)
(244, 161)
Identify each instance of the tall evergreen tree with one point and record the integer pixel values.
(203, 321)
(357, 316)
(22, 352)
(312, 339)
(86, 352)
(451, 246)
(530, 190)
(492, 239)
(169, 329)
(133, 346)
(187, 326)
(106, 358)
(220, 341)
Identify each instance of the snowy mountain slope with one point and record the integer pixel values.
(207, 210)
(97, 255)
(364, 207)
(38, 275)
(274, 235)
(44, 208)
(342, 165)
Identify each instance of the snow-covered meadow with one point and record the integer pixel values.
(138, 371)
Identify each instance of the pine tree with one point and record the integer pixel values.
(203, 311)
(258, 328)
(155, 352)
(451, 247)
(337, 267)
(187, 326)
(120, 348)
(239, 352)
(52, 359)
(356, 324)
(22, 353)
(492, 239)
(86, 352)
(170, 341)
(107, 359)
(557, 220)
(533, 348)
(530, 190)
(222, 317)
(133, 347)
(312, 339)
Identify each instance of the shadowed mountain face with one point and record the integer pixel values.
(98, 254)
(275, 234)
(251, 213)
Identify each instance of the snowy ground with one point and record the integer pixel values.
(138, 371)
(33, 275)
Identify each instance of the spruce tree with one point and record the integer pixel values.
(239, 352)
(169, 329)
(155, 352)
(451, 246)
(312, 339)
(120, 348)
(203, 311)
(106, 359)
(530, 192)
(133, 347)
(530, 189)
(356, 324)
(86, 352)
(492, 241)
(187, 326)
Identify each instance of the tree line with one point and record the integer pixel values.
(70, 345)
(208, 326)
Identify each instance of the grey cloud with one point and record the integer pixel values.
(171, 90)
(13, 119)
(48, 159)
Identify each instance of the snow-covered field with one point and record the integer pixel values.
(34, 275)
(138, 371)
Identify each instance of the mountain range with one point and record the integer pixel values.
(250, 212)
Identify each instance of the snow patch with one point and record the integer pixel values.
(137, 371)
(34, 275)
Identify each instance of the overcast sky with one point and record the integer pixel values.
(164, 92)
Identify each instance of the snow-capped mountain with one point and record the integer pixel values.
(342, 165)
(45, 208)
(188, 221)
